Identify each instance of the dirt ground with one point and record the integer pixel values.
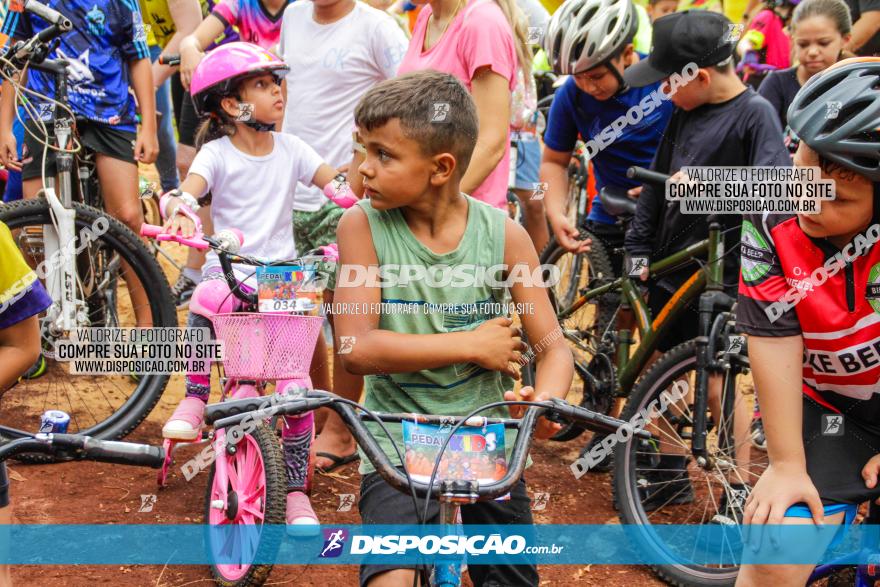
(93, 493)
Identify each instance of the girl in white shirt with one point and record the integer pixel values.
(251, 172)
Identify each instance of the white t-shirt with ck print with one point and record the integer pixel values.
(255, 195)
(331, 67)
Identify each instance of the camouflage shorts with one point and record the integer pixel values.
(317, 229)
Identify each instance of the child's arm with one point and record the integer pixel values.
(194, 185)
(493, 345)
(553, 360)
(639, 239)
(186, 14)
(192, 47)
(146, 148)
(492, 97)
(19, 349)
(554, 173)
(777, 368)
(8, 144)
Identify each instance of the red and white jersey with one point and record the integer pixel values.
(793, 284)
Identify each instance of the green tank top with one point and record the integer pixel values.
(435, 305)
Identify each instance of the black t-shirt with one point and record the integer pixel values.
(856, 9)
(779, 88)
(744, 131)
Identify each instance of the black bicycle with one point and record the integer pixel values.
(98, 272)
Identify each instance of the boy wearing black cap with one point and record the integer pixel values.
(718, 121)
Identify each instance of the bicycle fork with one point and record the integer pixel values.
(708, 365)
(447, 571)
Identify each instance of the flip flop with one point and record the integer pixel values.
(338, 461)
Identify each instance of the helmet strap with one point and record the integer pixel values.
(246, 117)
(621, 85)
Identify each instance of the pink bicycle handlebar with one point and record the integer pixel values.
(196, 241)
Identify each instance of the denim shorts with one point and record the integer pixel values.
(528, 163)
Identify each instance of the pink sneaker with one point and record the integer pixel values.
(187, 420)
(301, 518)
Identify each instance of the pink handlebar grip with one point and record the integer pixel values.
(332, 251)
(196, 241)
(340, 194)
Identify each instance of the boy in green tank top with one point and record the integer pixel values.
(425, 275)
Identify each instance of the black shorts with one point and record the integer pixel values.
(188, 123)
(100, 138)
(382, 504)
(836, 454)
(687, 327)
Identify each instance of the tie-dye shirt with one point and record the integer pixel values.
(252, 19)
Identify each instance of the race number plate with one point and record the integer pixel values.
(280, 288)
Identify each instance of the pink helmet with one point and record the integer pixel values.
(227, 65)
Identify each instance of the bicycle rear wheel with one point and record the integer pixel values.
(250, 523)
(583, 330)
(103, 406)
(658, 482)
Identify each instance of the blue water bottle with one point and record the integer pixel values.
(54, 422)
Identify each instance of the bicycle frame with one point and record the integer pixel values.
(66, 311)
(706, 279)
(450, 493)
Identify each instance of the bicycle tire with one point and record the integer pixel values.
(121, 240)
(274, 512)
(625, 483)
(599, 268)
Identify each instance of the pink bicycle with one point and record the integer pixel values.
(247, 481)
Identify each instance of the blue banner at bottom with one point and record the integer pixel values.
(412, 544)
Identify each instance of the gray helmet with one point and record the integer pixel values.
(837, 113)
(585, 33)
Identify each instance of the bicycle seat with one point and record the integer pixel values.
(616, 202)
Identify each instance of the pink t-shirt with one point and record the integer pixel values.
(775, 40)
(254, 23)
(478, 36)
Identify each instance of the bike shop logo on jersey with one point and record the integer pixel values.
(334, 543)
(872, 288)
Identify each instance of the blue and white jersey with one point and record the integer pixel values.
(106, 36)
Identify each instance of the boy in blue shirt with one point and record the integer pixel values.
(621, 126)
(108, 54)
(594, 103)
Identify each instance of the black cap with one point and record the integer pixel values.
(680, 38)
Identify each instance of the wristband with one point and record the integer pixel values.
(181, 208)
(339, 192)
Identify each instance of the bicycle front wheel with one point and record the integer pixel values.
(109, 266)
(245, 511)
(659, 482)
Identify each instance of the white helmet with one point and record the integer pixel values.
(585, 33)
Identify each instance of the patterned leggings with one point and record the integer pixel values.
(298, 432)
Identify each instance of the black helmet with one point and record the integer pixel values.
(837, 113)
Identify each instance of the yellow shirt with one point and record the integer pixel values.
(15, 274)
(160, 24)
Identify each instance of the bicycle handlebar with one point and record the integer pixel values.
(647, 176)
(50, 15)
(234, 412)
(223, 242)
(86, 448)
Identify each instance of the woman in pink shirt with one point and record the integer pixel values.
(474, 41)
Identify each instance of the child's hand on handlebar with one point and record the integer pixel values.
(545, 428)
(498, 344)
(9, 151)
(179, 223)
(870, 472)
(634, 193)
